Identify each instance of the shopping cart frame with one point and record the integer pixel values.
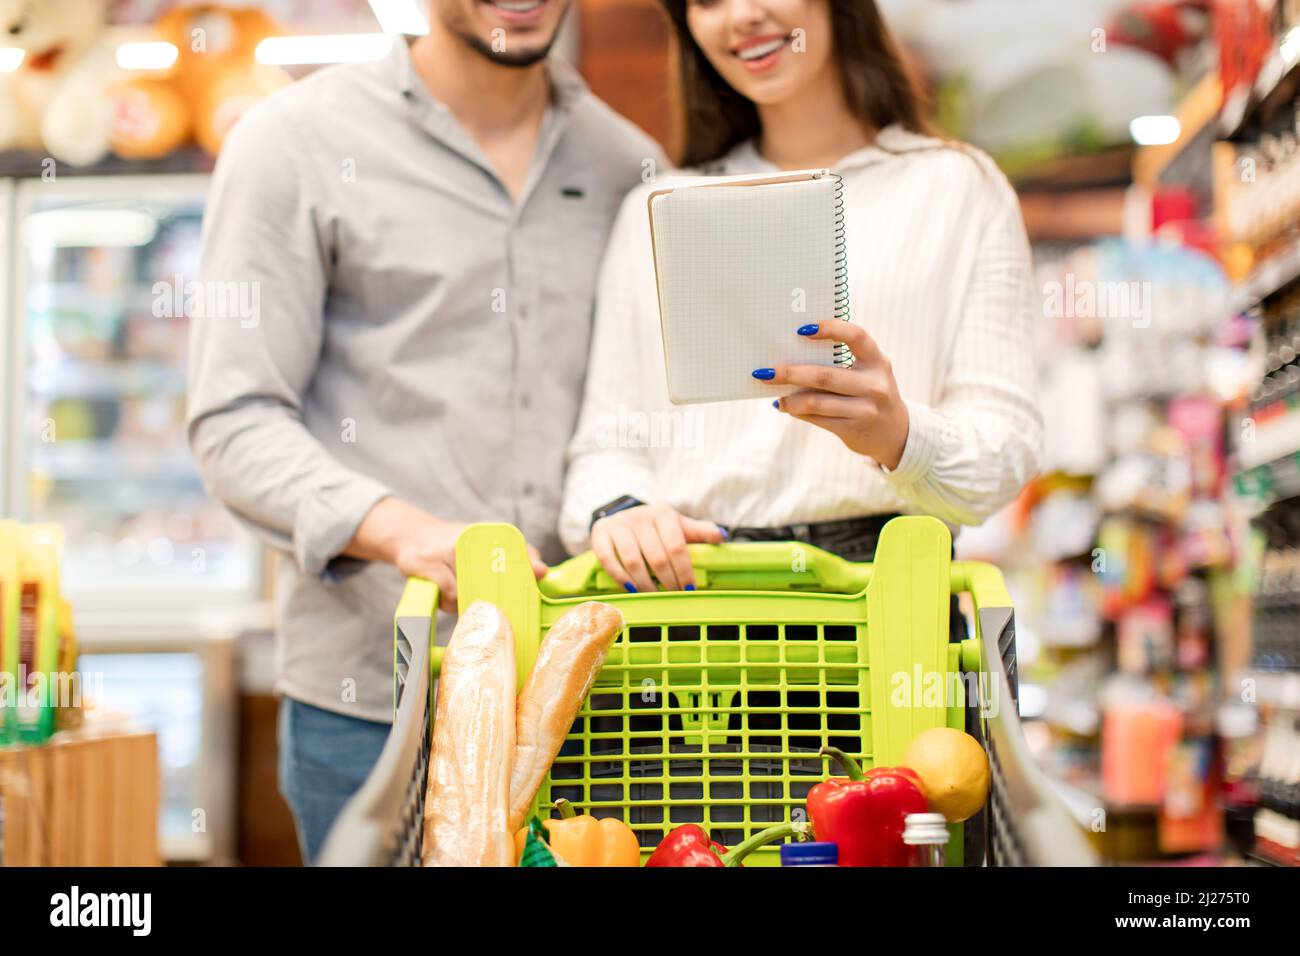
(1026, 823)
(1023, 824)
(383, 823)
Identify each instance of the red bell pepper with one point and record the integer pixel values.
(689, 845)
(864, 813)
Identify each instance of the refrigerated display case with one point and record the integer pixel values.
(9, 363)
(93, 274)
(96, 439)
(181, 689)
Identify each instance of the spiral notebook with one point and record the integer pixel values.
(741, 263)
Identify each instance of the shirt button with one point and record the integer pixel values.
(525, 402)
(528, 489)
(523, 312)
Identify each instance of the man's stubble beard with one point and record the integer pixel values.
(505, 58)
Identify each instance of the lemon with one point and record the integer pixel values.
(954, 771)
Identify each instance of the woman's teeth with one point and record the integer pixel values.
(758, 52)
(517, 6)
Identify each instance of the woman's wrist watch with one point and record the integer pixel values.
(621, 503)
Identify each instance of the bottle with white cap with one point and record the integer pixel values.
(926, 837)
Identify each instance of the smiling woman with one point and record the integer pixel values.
(737, 57)
(937, 415)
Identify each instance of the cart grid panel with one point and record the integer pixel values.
(718, 725)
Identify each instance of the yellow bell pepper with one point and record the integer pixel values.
(587, 841)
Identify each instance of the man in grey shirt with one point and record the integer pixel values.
(406, 253)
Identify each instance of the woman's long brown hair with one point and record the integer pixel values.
(878, 87)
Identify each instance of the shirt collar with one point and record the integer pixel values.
(567, 86)
(744, 157)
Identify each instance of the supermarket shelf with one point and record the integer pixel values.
(1278, 78)
(1275, 688)
(30, 164)
(1267, 278)
(1072, 634)
(56, 297)
(103, 625)
(1195, 112)
(1274, 441)
(1071, 215)
(95, 459)
(1147, 513)
(1277, 480)
(1270, 276)
(124, 379)
(1274, 854)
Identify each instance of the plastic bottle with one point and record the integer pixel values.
(926, 837)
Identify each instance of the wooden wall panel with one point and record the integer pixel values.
(625, 60)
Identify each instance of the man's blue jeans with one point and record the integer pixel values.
(324, 759)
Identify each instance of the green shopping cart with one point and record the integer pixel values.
(712, 704)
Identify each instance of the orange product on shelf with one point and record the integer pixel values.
(1137, 738)
(1191, 819)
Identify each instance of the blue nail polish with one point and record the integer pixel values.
(631, 588)
(726, 535)
(766, 374)
(776, 403)
(808, 329)
(690, 587)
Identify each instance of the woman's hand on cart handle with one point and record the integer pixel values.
(860, 405)
(631, 544)
(418, 544)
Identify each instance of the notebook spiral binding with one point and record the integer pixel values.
(844, 357)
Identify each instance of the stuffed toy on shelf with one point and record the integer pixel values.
(70, 100)
(215, 78)
(58, 100)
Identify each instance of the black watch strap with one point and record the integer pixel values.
(621, 503)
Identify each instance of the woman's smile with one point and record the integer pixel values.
(760, 54)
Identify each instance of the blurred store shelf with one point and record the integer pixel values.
(1195, 113)
(189, 159)
(1275, 688)
(1274, 480)
(106, 380)
(1277, 83)
(99, 459)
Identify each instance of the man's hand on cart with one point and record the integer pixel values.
(632, 543)
(419, 544)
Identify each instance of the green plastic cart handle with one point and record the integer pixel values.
(982, 581)
(741, 565)
(776, 565)
(414, 620)
(994, 616)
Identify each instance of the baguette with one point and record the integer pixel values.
(567, 664)
(468, 793)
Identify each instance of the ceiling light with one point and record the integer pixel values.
(326, 48)
(1155, 130)
(399, 16)
(91, 227)
(155, 55)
